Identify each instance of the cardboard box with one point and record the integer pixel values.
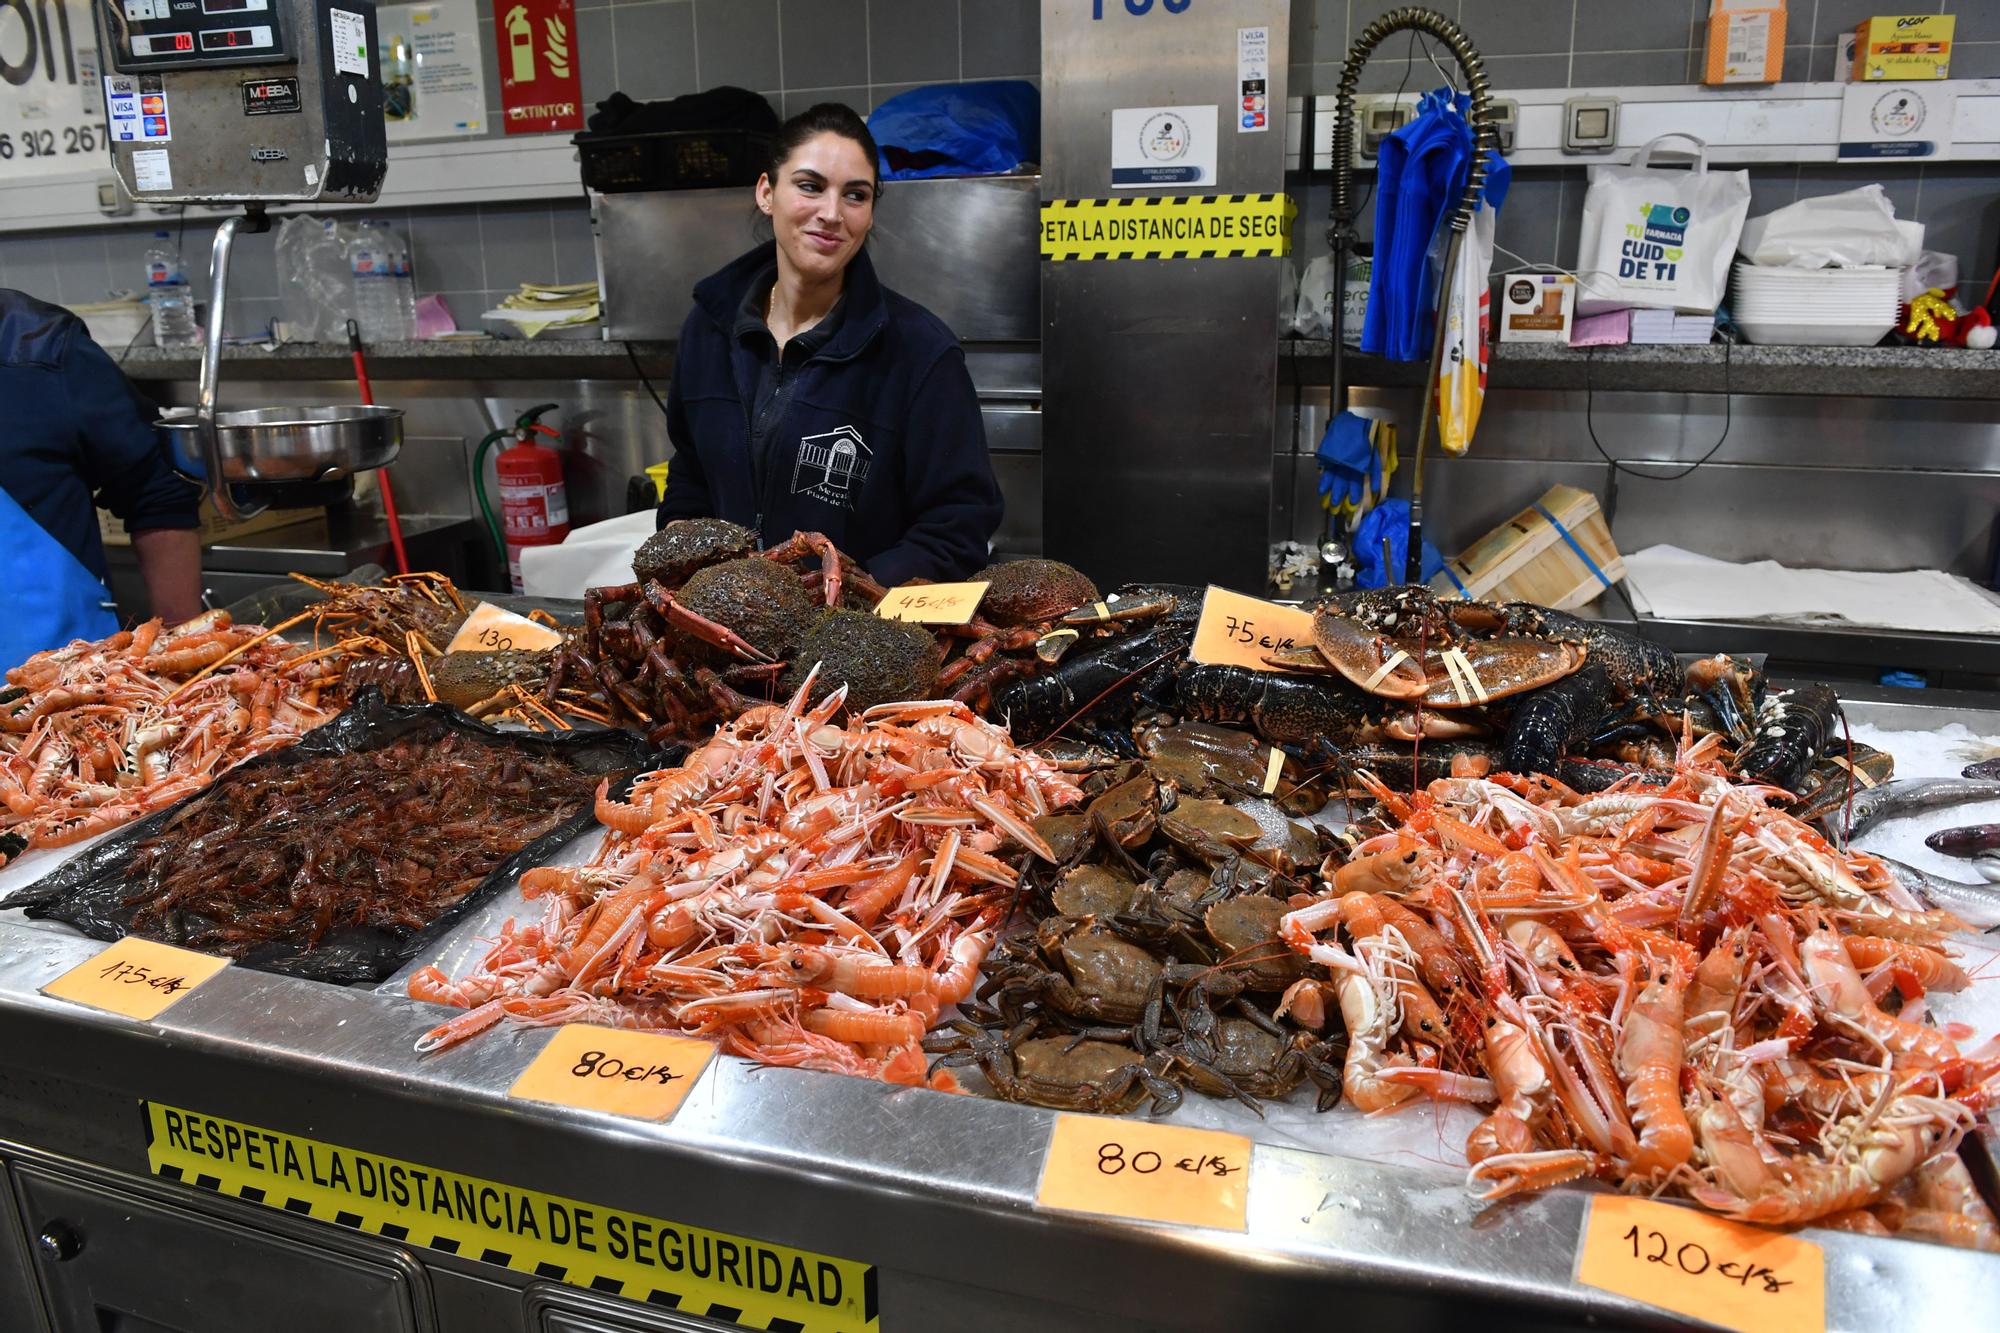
(1897, 48)
(1527, 559)
(1746, 42)
(213, 530)
(1536, 307)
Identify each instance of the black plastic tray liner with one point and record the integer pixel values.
(87, 892)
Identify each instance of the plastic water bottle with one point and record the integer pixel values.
(167, 293)
(406, 286)
(372, 263)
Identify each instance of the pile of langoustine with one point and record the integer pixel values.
(809, 894)
(1677, 990)
(96, 734)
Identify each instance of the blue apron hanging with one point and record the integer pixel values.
(51, 597)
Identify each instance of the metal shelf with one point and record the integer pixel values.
(1832, 372)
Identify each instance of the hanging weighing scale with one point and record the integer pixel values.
(251, 103)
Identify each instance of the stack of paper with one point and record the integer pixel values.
(1664, 326)
(1673, 584)
(540, 306)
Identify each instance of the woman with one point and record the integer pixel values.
(809, 397)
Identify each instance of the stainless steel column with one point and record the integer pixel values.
(1159, 375)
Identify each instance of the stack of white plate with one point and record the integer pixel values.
(1815, 307)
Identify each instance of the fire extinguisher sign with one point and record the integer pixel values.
(540, 90)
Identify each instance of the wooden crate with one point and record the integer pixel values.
(1526, 559)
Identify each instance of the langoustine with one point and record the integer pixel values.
(1710, 999)
(805, 893)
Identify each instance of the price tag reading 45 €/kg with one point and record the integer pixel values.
(490, 630)
(134, 977)
(641, 1074)
(932, 603)
(1159, 1173)
(1738, 1276)
(1235, 630)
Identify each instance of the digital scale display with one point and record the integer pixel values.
(177, 34)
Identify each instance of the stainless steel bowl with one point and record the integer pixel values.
(290, 443)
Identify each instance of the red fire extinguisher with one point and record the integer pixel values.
(534, 504)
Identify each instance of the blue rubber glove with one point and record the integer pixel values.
(1347, 462)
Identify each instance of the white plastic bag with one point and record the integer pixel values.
(1468, 316)
(1312, 315)
(315, 288)
(1659, 239)
(1846, 230)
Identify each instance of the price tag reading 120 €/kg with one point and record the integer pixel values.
(1727, 1273)
(932, 603)
(1159, 1173)
(641, 1074)
(1235, 630)
(490, 630)
(134, 977)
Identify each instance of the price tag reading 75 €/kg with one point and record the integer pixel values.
(641, 1074)
(134, 977)
(1727, 1273)
(932, 603)
(1235, 630)
(1159, 1173)
(489, 630)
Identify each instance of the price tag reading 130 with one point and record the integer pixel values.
(641, 1074)
(134, 977)
(932, 603)
(1235, 630)
(490, 630)
(1726, 1273)
(1158, 1173)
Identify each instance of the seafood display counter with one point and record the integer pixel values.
(275, 1149)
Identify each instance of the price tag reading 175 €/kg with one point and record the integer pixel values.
(134, 977)
(1235, 630)
(1159, 1173)
(1727, 1273)
(490, 630)
(932, 603)
(641, 1074)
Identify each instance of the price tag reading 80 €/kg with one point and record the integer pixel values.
(932, 603)
(1158, 1173)
(641, 1074)
(1727, 1273)
(134, 977)
(490, 630)
(1235, 630)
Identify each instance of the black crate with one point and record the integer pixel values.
(672, 159)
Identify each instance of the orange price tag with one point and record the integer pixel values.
(489, 630)
(1235, 630)
(1159, 1173)
(641, 1074)
(932, 603)
(134, 977)
(1726, 1273)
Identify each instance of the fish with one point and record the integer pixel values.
(1985, 768)
(1893, 800)
(1974, 904)
(1968, 841)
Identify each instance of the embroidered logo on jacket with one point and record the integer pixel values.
(832, 466)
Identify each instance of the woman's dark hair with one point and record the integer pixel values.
(823, 118)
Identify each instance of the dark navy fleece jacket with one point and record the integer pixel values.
(880, 448)
(77, 434)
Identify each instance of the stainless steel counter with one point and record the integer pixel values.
(935, 1193)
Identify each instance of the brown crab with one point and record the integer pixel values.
(1407, 643)
(1059, 1071)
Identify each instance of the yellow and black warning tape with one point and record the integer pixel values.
(1193, 226)
(750, 1283)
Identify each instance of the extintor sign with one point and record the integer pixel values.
(540, 89)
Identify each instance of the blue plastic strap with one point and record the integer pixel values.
(1581, 554)
(1455, 583)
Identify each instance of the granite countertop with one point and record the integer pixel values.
(1870, 372)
